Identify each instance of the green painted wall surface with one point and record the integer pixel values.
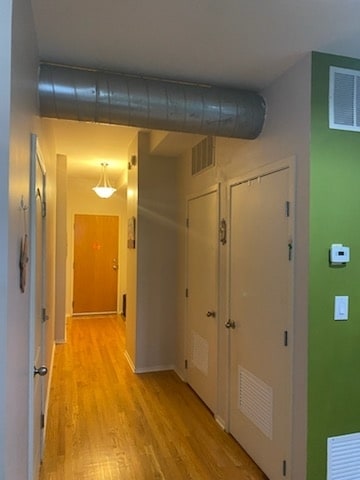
(334, 346)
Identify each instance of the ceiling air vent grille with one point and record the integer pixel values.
(344, 99)
(203, 155)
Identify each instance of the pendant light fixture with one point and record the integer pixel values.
(103, 189)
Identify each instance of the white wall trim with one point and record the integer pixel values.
(155, 368)
(47, 395)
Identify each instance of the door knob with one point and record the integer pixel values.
(211, 313)
(40, 371)
(230, 324)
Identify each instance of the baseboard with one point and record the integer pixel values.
(130, 362)
(220, 421)
(180, 375)
(47, 397)
(155, 368)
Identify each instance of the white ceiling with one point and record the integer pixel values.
(237, 43)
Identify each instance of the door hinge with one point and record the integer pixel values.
(43, 209)
(186, 292)
(44, 315)
(287, 209)
(286, 340)
(290, 249)
(222, 231)
(284, 468)
(42, 421)
(187, 223)
(186, 364)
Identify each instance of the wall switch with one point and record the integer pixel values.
(341, 310)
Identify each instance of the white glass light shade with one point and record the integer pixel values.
(103, 189)
(104, 192)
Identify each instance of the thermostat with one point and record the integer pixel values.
(339, 254)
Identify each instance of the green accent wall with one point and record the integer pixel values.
(334, 346)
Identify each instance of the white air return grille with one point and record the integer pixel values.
(256, 401)
(200, 353)
(344, 99)
(203, 155)
(344, 457)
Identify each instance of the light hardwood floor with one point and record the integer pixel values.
(106, 423)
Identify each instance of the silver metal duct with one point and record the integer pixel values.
(96, 96)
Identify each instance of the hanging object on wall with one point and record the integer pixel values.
(104, 189)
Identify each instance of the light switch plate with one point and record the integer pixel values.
(341, 309)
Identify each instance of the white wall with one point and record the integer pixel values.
(152, 265)
(14, 169)
(286, 134)
(5, 62)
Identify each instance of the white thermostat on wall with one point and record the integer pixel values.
(339, 254)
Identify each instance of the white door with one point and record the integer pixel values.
(202, 297)
(37, 299)
(260, 325)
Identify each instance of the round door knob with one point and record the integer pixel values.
(230, 324)
(210, 314)
(40, 371)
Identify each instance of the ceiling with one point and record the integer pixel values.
(235, 43)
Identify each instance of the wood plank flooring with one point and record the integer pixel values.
(106, 423)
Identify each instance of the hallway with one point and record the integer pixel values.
(105, 423)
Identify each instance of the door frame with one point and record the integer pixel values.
(36, 160)
(266, 169)
(215, 188)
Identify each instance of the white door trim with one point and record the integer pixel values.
(35, 159)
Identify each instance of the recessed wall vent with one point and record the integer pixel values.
(343, 461)
(203, 155)
(344, 99)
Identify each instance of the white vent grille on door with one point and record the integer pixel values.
(200, 353)
(343, 457)
(256, 401)
(203, 155)
(344, 99)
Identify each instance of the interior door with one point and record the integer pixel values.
(95, 264)
(202, 300)
(37, 305)
(260, 324)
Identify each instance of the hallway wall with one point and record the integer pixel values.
(152, 265)
(286, 135)
(334, 360)
(18, 86)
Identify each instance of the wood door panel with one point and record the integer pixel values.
(95, 263)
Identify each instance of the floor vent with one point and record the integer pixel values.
(203, 155)
(343, 457)
(256, 401)
(344, 99)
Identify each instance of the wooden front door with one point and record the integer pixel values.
(202, 314)
(95, 264)
(261, 285)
